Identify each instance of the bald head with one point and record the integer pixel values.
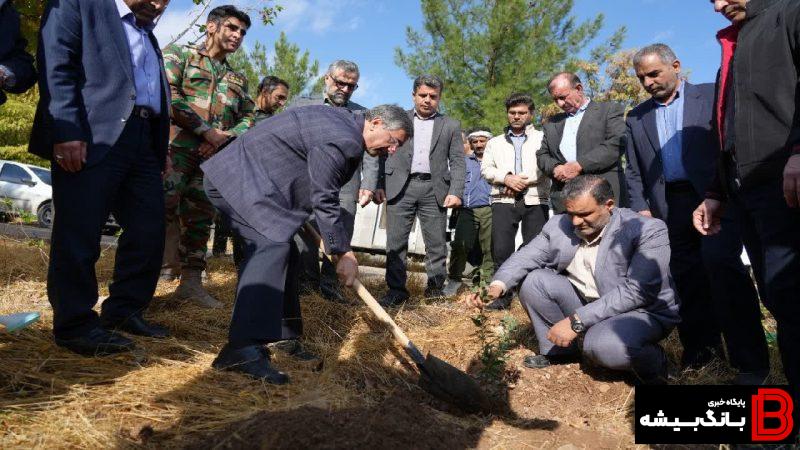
(567, 91)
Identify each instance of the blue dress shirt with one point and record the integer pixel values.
(477, 191)
(569, 139)
(669, 121)
(144, 59)
(518, 141)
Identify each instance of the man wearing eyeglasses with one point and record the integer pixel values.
(341, 81)
(210, 106)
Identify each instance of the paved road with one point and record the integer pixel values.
(18, 231)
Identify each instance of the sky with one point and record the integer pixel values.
(368, 31)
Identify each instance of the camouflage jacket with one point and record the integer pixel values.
(205, 94)
(261, 115)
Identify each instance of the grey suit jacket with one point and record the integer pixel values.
(600, 143)
(368, 169)
(446, 157)
(632, 269)
(288, 166)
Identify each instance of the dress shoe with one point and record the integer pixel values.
(136, 325)
(333, 294)
(392, 299)
(452, 287)
(542, 361)
(252, 360)
(97, 342)
(699, 358)
(501, 303)
(433, 293)
(755, 378)
(295, 349)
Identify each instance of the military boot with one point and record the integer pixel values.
(191, 288)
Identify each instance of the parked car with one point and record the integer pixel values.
(29, 188)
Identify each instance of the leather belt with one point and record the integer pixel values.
(421, 176)
(145, 112)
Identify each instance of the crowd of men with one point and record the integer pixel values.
(170, 142)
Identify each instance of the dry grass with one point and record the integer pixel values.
(165, 394)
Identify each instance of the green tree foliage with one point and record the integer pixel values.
(486, 49)
(287, 63)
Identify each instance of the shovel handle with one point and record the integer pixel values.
(374, 306)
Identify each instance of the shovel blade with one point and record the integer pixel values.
(452, 385)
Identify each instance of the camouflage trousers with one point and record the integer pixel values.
(187, 205)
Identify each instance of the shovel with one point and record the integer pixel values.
(437, 377)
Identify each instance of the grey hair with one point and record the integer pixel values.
(343, 65)
(595, 185)
(394, 118)
(429, 80)
(663, 51)
(574, 80)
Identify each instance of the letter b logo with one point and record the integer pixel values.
(783, 415)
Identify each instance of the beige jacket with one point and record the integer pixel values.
(498, 161)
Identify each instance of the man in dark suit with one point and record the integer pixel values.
(266, 183)
(17, 73)
(587, 138)
(423, 179)
(341, 81)
(671, 156)
(103, 121)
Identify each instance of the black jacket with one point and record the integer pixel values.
(12, 52)
(765, 81)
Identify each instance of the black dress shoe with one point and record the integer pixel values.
(433, 293)
(392, 299)
(252, 361)
(755, 378)
(295, 349)
(542, 361)
(333, 294)
(138, 326)
(97, 342)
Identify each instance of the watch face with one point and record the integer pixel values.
(578, 327)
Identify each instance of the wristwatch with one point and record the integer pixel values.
(577, 325)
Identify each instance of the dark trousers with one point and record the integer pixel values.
(267, 307)
(776, 228)
(312, 276)
(128, 183)
(506, 218)
(416, 200)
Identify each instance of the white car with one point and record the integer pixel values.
(28, 188)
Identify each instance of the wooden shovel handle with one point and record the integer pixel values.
(372, 304)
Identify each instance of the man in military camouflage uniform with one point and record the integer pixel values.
(210, 106)
(272, 95)
(341, 81)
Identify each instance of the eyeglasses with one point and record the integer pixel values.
(343, 84)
